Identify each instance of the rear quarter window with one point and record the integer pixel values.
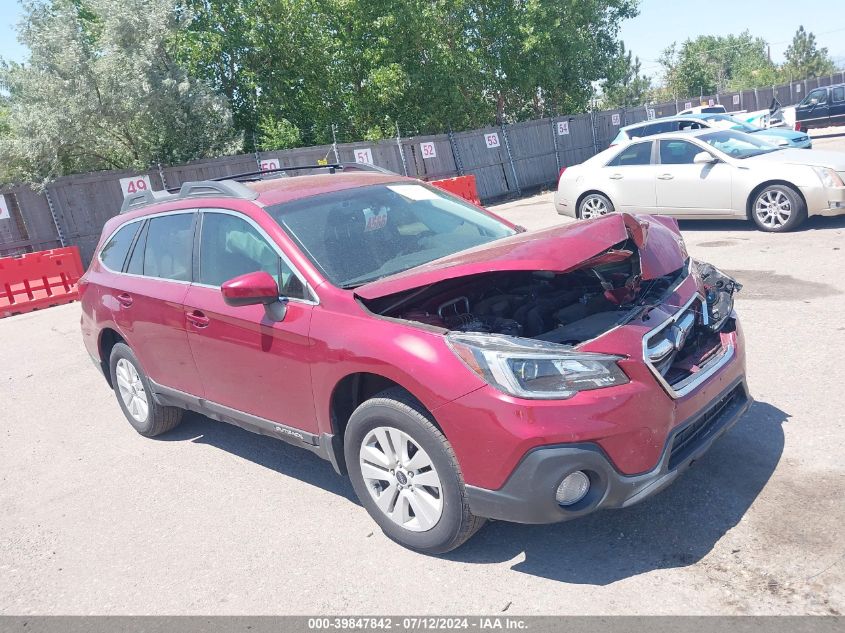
(113, 254)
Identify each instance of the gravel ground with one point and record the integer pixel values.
(213, 520)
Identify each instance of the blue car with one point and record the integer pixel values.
(780, 137)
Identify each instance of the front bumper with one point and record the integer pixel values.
(528, 496)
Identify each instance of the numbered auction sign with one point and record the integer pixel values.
(492, 140)
(4, 210)
(562, 128)
(711, 102)
(736, 99)
(615, 119)
(428, 150)
(797, 87)
(649, 113)
(134, 184)
(268, 164)
(364, 156)
(687, 105)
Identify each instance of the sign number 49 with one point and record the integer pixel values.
(134, 184)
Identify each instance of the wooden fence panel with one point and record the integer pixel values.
(489, 165)
(533, 150)
(30, 225)
(422, 164)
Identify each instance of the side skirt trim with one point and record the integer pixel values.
(323, 445)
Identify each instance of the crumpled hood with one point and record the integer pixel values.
(813, 157)
(558, 249)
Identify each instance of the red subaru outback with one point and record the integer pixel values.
(455, 366)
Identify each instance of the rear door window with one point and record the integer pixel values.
(636, 154)
(838, 94)
(113, 254)
(169, 244)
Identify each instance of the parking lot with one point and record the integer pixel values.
(210, 519)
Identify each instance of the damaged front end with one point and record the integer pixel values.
(521, 329)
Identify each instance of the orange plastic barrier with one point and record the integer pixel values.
(463, 186)
(39, 280)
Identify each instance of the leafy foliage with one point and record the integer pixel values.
(804, 59)
(625, 85)
(427, 65)
(716, 63)
(101, 91)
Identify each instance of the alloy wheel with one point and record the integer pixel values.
(131, 389)
(401, 478)
(593, 207)
(773, 208)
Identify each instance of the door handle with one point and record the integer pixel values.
(197, 319)
(125, 299)
(665, 176)
(616, 176)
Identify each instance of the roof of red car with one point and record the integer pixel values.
(284, 189)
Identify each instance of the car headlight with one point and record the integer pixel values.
(829, 177)
(533, 369)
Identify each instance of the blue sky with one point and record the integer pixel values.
(659, 24)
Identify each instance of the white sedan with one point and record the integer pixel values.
(706, 174)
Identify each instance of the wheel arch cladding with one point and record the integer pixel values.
(354, 389)
(749, 203)
(107, 340)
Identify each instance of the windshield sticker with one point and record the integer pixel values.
(413, 192)
(375, 220)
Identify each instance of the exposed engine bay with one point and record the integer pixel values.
(564, 308)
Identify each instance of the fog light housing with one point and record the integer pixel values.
(573, 488)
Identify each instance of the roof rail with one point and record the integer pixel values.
(331, 167)
(230, 186)
(192, 189)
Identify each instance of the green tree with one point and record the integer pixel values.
(804, 59)
(714, 63)
(368, 65)
(625, 85)
(101, 90)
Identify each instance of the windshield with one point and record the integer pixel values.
(727, 122)
(359, 235)
(737, 144)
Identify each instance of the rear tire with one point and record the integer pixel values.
(135, 395)
(432, 517)
(778, 209)
(594, 205)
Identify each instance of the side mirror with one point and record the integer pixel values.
(258, 288)
(704, 158)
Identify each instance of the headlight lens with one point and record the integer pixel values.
(533, 369)
(829, 177)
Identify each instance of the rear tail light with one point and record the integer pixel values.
(560, 174)
(798, 127)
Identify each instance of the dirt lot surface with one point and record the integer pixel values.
(213, 520)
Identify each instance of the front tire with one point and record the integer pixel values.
(406, 475)
(594, 205)
(135, 395)
(778, 209)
